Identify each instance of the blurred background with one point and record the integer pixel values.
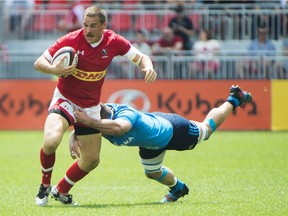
(28, 27)
(188, 40)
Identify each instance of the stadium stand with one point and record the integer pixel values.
(234, 27)
(148, 21)
(121, 22)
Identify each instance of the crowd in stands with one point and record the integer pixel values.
(183, 28)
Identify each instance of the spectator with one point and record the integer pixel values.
(75, 17)
(4, 59)
(271, 20)
(4, 56)
(141, 42)
(260, 47)
(283, 3)
(182, 26)
(19, 14)
(205, 50)
(168, 42)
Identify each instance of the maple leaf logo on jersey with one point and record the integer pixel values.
(104, 52)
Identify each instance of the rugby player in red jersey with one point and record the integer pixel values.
(80, 86)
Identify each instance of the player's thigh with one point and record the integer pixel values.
(55, 126)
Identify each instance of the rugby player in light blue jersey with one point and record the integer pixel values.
(156, 132)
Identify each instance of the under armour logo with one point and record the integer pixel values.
(80, 52)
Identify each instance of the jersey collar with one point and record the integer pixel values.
(96, 43)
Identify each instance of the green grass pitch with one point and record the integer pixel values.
(233, 173)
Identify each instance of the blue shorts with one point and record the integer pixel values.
(185, 136)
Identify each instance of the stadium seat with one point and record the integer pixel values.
(130, 2)
(44, 22)
(57, 5)
(120, 22)
(165, 19)
(147, 21)
(194, 17)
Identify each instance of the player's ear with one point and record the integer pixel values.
(104, 25)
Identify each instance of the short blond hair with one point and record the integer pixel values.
(94, 11)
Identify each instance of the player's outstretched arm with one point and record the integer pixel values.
(150, 74)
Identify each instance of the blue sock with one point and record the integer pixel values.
(178, 186)
(234, 101)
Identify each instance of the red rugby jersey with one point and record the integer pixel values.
(83, 87)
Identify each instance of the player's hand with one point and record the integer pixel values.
(150, 74)
(61, 70)
(80, 115)
(74, 144)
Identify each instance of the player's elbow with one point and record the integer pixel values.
(124, 128)
(36, 64)
(117, 130)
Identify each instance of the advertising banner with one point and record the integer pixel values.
(279, 105)
(24, 103)
(194, 99)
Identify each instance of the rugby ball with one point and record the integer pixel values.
(69, 54)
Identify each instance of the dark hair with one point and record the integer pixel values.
(143, 32)
(179, 8)
(208, 33)
(262, 25)
(105, 111)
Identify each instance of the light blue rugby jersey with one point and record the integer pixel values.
(148, 131)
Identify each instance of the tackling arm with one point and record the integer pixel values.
(106, 126)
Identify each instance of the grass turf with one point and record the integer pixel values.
(233, 173)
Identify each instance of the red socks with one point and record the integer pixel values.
(47, 163)
(73, 174)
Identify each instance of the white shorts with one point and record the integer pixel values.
(59, 102)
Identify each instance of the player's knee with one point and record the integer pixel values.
(88, 164)
(51, 142)
(92, 163)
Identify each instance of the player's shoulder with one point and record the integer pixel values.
(110, 35)
(76, 34)
(72, 39)
(121, 108)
